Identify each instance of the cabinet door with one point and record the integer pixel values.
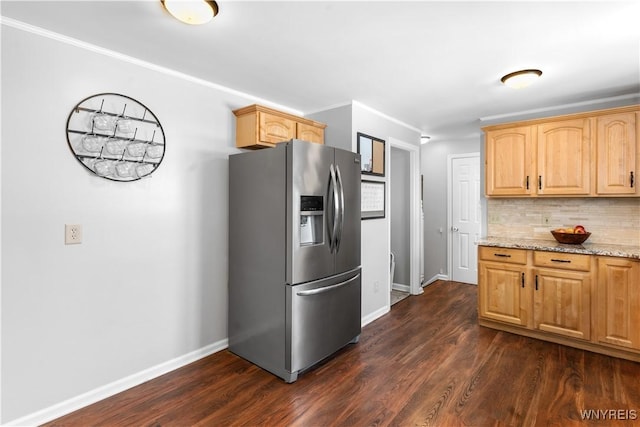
(616, 154)
(562, 303)
(618, 304)
(502, 294)
(564, 154)
(310, 133)
(274, 129)
(509, 162)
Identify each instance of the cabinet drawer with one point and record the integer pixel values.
(513, 256)
(562, 260)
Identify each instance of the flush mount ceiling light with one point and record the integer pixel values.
(520, 79)
(424, 139)
(194, 12)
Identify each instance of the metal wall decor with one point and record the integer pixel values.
(115, 137)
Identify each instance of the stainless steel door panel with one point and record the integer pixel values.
(308, 174)
(325, 316)
(348, 254)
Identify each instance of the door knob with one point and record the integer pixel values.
(454, 229)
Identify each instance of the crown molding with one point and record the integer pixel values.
(559, 107)
(139, 62)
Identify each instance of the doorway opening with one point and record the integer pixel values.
(404, 225)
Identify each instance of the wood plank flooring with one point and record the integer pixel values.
(426, 363)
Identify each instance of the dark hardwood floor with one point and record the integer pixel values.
(426, 363)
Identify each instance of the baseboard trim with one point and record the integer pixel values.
(401, 288)
(375, 315)
(434, 278)
(66, 407)
(63, 408)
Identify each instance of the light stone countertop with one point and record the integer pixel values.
(587, 248)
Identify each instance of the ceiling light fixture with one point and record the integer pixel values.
(520, 79)
(194, 12)
(424, 139)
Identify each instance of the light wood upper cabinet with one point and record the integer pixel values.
(581, 155)
(617, 154)
(262, 127)
(564, 156)
(509, 166)
(273, 129)
(311, 133)
(618, 302)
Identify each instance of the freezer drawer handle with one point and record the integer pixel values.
(327, 288)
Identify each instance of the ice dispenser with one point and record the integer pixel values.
(311, 220)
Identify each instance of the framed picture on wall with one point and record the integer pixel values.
(371, 151)
(372, 199)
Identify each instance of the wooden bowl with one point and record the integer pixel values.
(570, 238)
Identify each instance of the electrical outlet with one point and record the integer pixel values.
(72, 234)
(376, 286)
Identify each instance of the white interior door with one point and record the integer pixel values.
(465, 224)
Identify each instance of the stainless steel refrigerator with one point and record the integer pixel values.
(294, 255)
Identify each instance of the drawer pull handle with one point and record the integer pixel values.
(528, 181)
(539, 182)
(536, 282)
(523, 280)
(631, 178)
(503, 255)
(561, 260)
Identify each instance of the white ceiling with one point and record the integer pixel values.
(435, 66)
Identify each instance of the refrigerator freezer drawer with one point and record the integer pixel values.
(325, 316)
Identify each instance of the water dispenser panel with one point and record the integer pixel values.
(311, 220)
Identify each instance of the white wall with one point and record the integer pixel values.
(376, 243)
(433, 166)
(148, 285)
(149, 282)
(339, 124)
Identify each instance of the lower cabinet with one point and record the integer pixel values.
(562, 303)
(503, 296)
(618, 302)
(585, 301)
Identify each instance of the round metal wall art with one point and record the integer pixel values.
(115, 137)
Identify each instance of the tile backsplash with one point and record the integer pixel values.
(610, 220)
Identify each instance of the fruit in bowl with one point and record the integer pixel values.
(571, 235)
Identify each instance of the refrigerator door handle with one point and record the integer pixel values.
(340, 209)
(332, 220)
(326, 288)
